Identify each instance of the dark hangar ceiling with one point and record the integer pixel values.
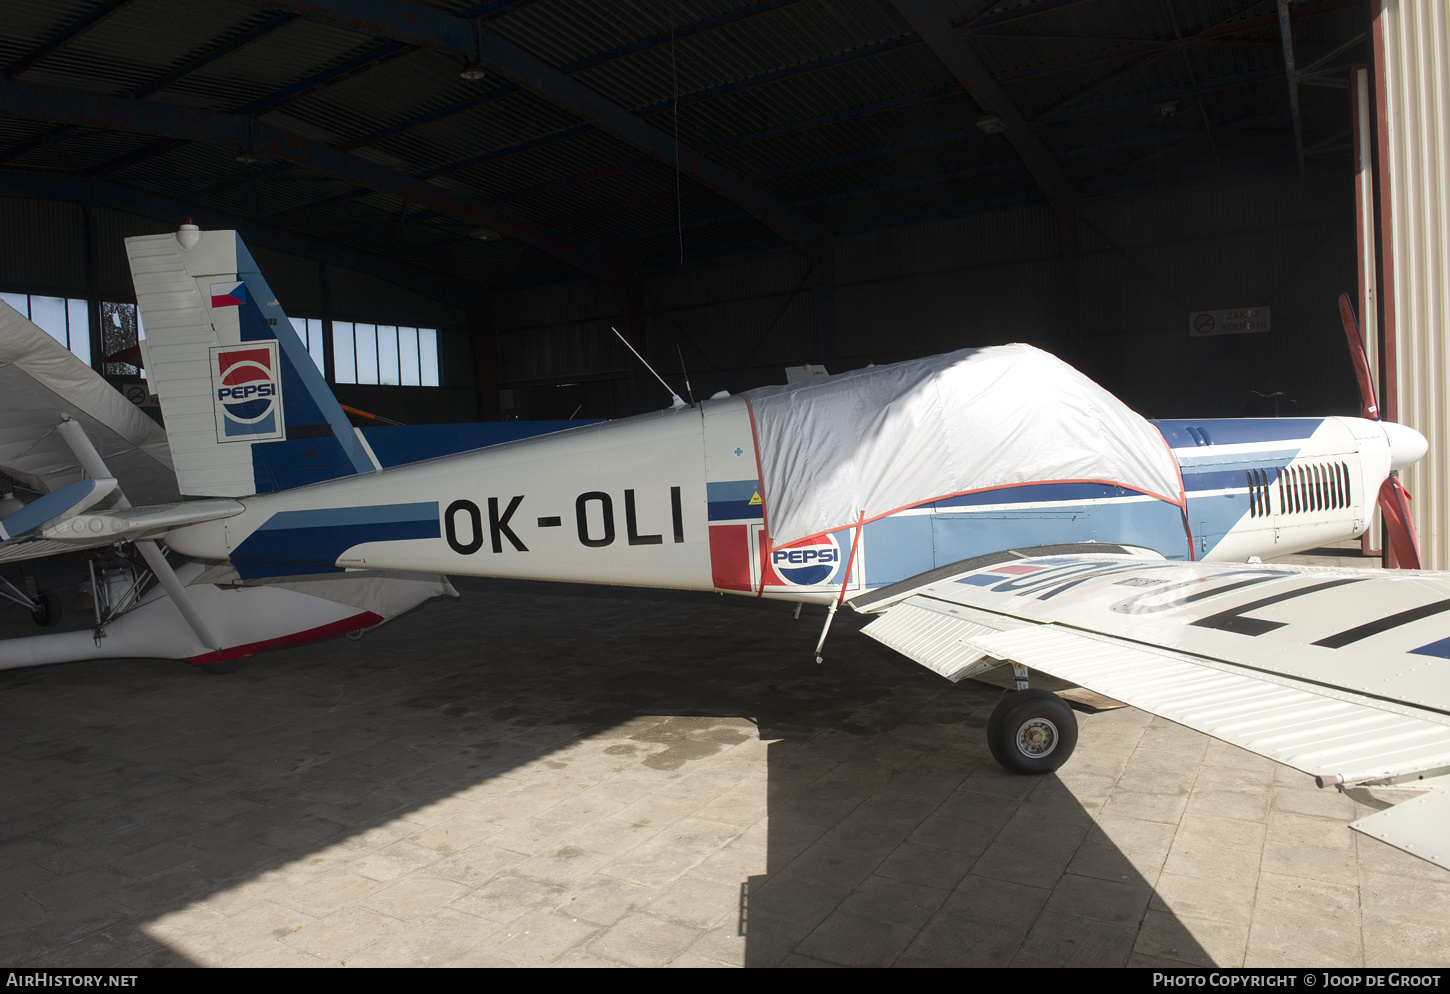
(520, 142)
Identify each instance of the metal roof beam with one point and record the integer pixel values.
(260, 105)
(934, 28)
(35, 141)
(326, 77)
(1292, 75)
(573, 67)
(1155, 138)
(617, 168)
(207, 58)
(456, 292)
(162, 82)
(70, 31)
(509, 89)
(429, 28)
(729, 142)
(131, 158)
(1159, 96)
(312, 83)
(685, 98)
(579, 129)
(92, 110)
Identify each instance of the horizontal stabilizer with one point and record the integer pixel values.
(128, 524)
(1417, 826)
(68, 500)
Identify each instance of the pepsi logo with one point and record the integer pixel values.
(248, 391)
(807, 565)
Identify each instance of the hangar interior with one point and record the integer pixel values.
(739, 187)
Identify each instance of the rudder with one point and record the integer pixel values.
(246, 409)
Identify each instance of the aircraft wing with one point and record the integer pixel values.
(1339, 673)
(40, 382)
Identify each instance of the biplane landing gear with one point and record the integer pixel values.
(1031, 731)
(47, 609)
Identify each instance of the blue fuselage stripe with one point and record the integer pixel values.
(315, 539)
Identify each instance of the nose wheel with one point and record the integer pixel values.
(1031, 731)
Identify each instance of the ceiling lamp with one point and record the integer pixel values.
(484, 234)
(246, 157)
(473, 73)
(990, 124)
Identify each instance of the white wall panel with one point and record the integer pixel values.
(1416, 56)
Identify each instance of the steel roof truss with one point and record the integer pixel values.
(123, 114)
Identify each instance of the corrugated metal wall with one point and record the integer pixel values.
(43, 245)
(112, 230)
(1147, 259)
(1150, 259)
(1416, 67)
(355, 295)
(559, 332)
(985, 279)
(736, 323)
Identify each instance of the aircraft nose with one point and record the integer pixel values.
(1407, 446)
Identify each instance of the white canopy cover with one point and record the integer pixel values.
(881, 439)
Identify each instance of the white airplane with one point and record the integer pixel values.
(816, 492)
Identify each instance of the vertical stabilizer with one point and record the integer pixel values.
(246, 409)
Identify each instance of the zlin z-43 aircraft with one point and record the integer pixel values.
(990, 506)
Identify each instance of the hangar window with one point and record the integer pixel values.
(384, 354)
(120, 330)
(66, 319)
(310, 331)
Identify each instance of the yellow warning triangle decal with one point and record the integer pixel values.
(755, 497)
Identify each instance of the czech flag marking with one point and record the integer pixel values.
(228, 294)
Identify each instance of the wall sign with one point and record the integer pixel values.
(1234, 321)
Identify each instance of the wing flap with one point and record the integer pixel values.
(1316, 730)
(1417, 826)
(935, 635)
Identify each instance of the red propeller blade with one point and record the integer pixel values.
(1404, 546)
(1357, 355)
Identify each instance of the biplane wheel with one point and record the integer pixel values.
(1031, 731)
(47, 609)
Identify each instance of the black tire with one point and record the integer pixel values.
(47, 612)
(1031, 732)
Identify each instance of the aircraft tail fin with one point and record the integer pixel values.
(246, 409)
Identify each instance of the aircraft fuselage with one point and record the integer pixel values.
(674, 499)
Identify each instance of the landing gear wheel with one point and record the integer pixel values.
(47, 609)
(1031, 731)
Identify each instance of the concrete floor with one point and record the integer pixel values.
(575, 776)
